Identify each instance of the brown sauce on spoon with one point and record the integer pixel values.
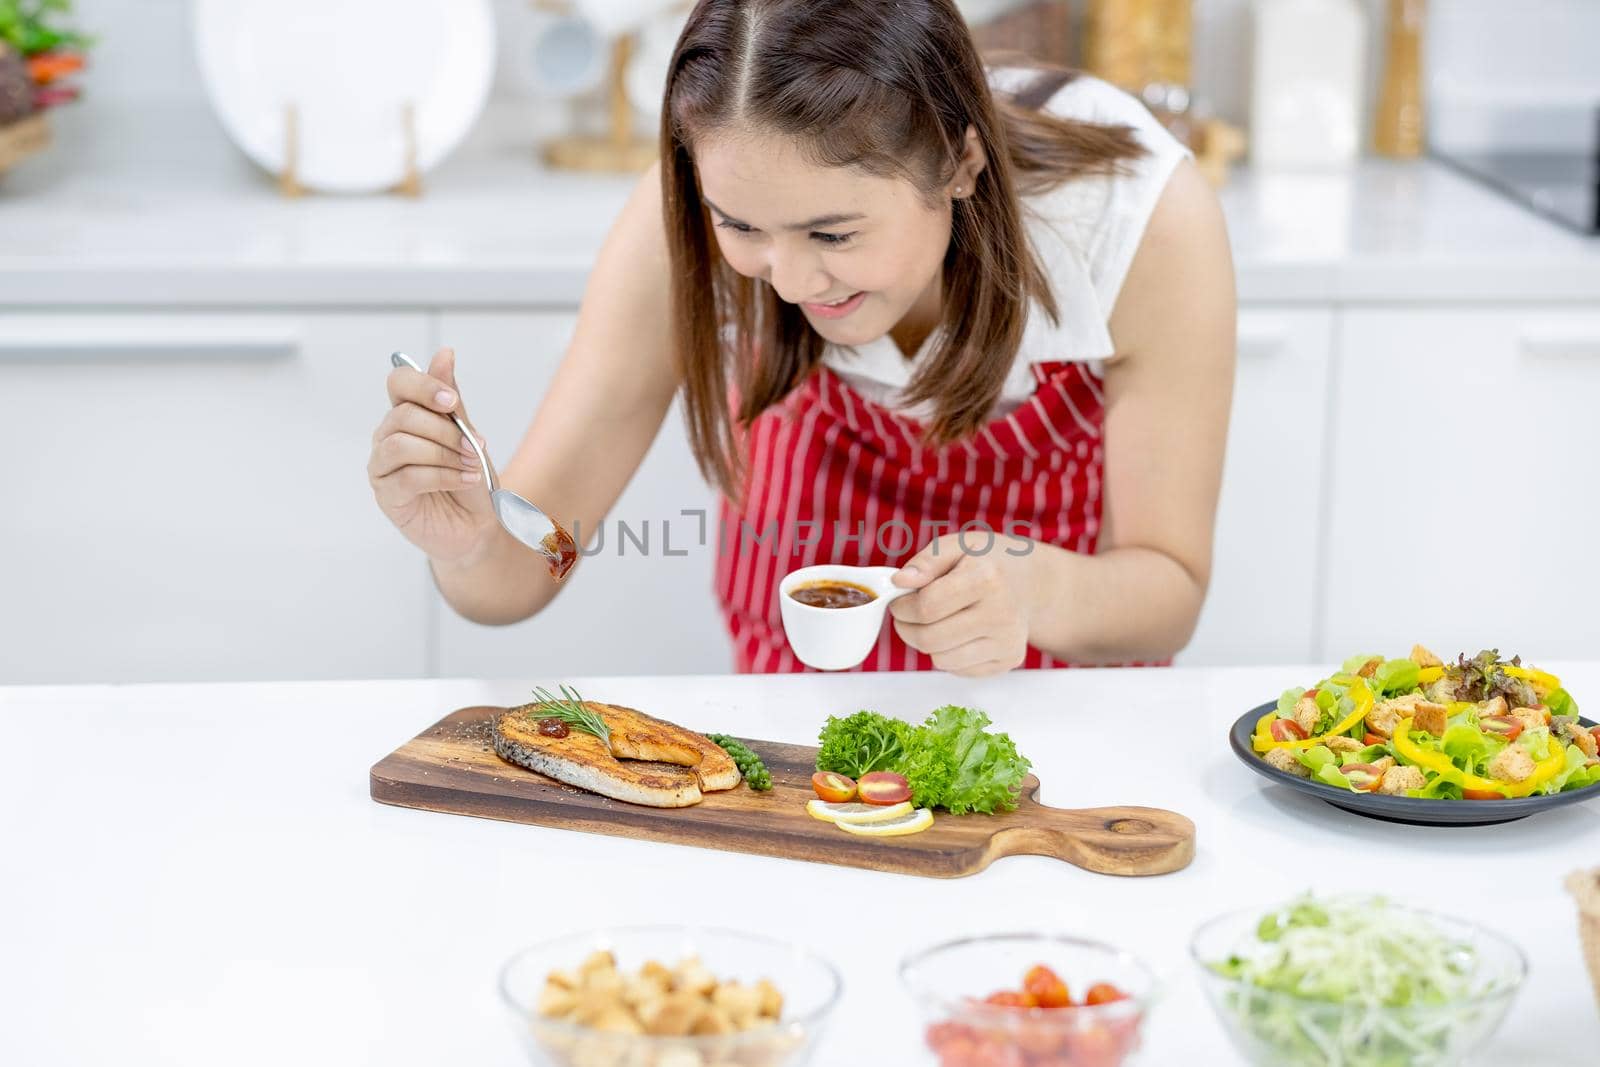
(560, 549)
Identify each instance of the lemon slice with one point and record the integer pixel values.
(857, 813)
(914, 823)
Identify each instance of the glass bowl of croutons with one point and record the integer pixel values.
(668, 996)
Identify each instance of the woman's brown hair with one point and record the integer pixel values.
(891, 89)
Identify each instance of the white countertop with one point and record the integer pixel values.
(154, 206)
(195, 874)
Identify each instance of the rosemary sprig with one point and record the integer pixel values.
(570, 710)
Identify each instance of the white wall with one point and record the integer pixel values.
(1543, 49)
(144, 52)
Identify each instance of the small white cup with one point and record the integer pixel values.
(836, 639)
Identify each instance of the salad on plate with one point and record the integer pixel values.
(1483, 728)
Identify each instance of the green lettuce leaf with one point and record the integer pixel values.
(956, 764)
(1439, 788)
(1537, 741)
(1330, 775)
(1316, 757)
(1576, 775)
(1560, 702)
(1397, 676)
(1354, 664)
(1288, 700)
(1467, 746)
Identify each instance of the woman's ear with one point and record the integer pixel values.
(968, 167)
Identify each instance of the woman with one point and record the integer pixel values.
(897, 302)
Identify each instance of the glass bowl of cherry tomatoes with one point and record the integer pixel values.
(1029, 1000)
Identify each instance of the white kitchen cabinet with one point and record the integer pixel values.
(186, 499)
(1261, 605)
(623, 610)
(1465, 487)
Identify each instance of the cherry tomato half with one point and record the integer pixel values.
(1364, 776)
(1373, 739)
(1103, 993)
(1046, 987)
(883, 787)
(832, 787)
(1010, 998)
(1503, 726)
(1287, 730)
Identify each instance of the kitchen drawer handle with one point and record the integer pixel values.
(1561, 343)
(120, 339)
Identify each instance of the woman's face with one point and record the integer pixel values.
(854, 251)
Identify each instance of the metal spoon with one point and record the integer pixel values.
(521, 518)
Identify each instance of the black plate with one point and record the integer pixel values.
(1414, 810)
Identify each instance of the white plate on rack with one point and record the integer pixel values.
(349, 68)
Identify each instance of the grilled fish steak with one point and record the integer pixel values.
(632, 771)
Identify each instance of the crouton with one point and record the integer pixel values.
(771, 999)
(1513, 764)
(599, 960)
(1383, 718)
(1341, 743)
(1382, 765)
(555, 1000)
(1423, 658)
(1573, 734)
(1530, 718)
(1497, 706)
(1284, 760)
(692, 976)
(616, 1020)
(1369, 668)
(674, 1015)
(1586, 742)
(1306, 714)
(1397, 780)
(741, 1002)
(1431, 718)
(715, 1022)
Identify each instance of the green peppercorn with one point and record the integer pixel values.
(755, 773)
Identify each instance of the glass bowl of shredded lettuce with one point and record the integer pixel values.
(1356, 982)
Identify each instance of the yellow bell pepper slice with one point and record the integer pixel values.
(1409, 751)
(1543, 684)
(1363, 698)
(1429, 675)
(1262, 739)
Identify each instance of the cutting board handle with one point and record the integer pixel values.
(1122, 840)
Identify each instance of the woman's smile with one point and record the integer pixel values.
(837, 309)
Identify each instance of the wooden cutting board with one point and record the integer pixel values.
(452, 767)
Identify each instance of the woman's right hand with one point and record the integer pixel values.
(424, 473)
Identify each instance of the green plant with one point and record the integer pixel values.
(34, 26)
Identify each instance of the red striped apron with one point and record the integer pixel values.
(837, 478)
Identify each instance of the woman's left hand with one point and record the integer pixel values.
(971, 609)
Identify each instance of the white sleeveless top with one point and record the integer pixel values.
(1085, 232)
